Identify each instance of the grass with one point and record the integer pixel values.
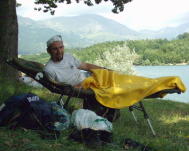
(169, 119)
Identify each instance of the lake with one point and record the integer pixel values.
(159, 71)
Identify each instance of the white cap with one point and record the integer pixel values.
(53, 39)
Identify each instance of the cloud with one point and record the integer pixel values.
(152, 14)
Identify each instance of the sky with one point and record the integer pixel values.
(137, 15)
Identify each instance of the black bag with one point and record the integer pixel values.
(92, 104)
(90, 137)
(31, 112)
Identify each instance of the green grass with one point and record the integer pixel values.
(169, 119)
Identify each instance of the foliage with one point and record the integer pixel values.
(150, 52)
(183, 36)
(112, 55)
(143, 52)
(42, 58)
(162, 51)
(89, 54)
(119, 58)
(50, 5)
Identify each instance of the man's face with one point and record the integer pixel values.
(56, 50)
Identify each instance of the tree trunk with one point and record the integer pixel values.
(8, 36)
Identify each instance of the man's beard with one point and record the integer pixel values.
(57, 58)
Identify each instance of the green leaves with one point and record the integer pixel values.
(50, 5)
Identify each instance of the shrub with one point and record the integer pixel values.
(119, 58)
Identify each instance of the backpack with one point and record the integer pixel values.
(31, 112)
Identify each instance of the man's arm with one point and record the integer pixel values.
(88, 66)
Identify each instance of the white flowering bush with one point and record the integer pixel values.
(120, 58)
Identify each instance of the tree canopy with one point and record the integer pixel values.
(50, 5)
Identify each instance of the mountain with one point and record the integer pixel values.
(168, 32)
(82, 31)
(33, 36)
(90, 26)
(77, 31)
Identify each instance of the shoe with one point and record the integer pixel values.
(131, 144)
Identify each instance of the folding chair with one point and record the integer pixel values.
(35, 70)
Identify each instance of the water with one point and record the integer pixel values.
(159, 71)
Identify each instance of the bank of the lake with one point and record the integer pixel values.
(158, 71)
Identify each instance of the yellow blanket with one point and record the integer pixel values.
(117, 90)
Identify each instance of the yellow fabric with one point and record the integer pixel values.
(117, 90)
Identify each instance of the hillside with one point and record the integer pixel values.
(33, 36)
(151, 52)
(82, 31)
(90, 26)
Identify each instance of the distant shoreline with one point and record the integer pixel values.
(170, 64)
(179, 64)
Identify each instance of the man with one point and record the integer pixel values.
(63, 67)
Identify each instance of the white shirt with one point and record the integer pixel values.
(65, 71)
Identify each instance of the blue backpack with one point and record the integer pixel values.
(31, 112)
